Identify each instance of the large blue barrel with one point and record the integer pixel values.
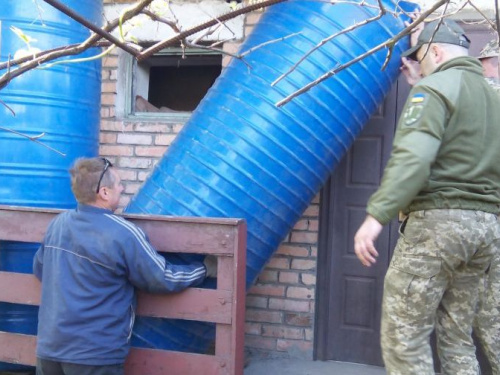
(63, 102)
(240, 155)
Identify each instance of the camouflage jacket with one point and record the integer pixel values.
(445, 152)
(494, 83)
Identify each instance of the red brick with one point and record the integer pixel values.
(164, 139)
(282, 332)
(314, 251)
(309, 334)
(293, 250)
(268, 290)
(303, 264)
(108, 87)
(302, 320)
(316, 199)
(110, 61)
(128, 175)
(301, 293)
(312, 210)
(177, 128)
(300, 349)
(143, 175)
(119, 126)
(113, 150)
(279, 262)
(124, 199)
(108, 99)
(105, 112)
(134, 163)
(106, 74)
(260, 342)
(134, 139)
(252, 18)
(308, 279)
(288, 277)
(267, 276)
(256, 301)
(226, 59)
(153, 151)
(248, 30)
(107, 138)
(231, 47)
(304, 237)
(301, 225)
(132, 188)
(253, 328)
(113, 74)
(147, 127)
(314, 225)
(289, 305)
(266, 316)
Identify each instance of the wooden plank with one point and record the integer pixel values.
(169, 234)
(224, 306)
(239, 301)
(19, 288)
(159, 362)
(206, 305)
(17, 348)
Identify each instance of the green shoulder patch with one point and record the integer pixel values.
(414, 109)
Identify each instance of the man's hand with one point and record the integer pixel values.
(364, 241)
(411, 70)
(210, 263)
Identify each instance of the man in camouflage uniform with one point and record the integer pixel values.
(445, 175)
(487, 323)
(489, 60)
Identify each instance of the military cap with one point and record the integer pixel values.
(489, 50)
(447, 32)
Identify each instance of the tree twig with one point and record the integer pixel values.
(225, 17)
(406, 31)
(250, 50)
(7, 106)
(326, 40)
(89, 25)
(33, 139)
(90, 42)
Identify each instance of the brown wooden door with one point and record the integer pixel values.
(348, 325)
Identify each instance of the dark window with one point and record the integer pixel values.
(172, 83)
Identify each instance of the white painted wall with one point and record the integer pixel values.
(188, 13)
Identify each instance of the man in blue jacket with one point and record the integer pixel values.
(90, 263)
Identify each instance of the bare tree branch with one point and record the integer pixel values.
(326, 40)
(63, 51)
(33, 139)
(6, 106)
(225, 17)
(89, 25)
(406, 31)
(249, 51)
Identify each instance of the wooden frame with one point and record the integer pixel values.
(225, 306)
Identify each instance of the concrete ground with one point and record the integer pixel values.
(257, 366)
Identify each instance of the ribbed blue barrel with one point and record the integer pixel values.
(63, 103)
(240, 155)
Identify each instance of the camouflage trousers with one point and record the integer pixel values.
(432, 282)
(487, 322)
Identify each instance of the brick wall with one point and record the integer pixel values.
(280, 306)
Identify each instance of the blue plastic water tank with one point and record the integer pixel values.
(64, 103)
(240, 155)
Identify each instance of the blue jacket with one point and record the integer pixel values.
(89, 264)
